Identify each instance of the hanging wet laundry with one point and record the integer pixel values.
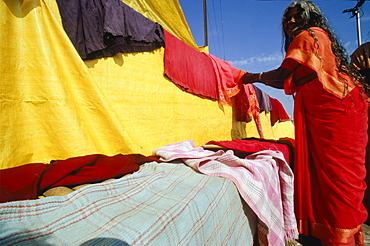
(200, 73)
(263, 100)
(228, 78)
(247, 107)
(278, 112)
(254, 108)
(191, 70)
(103, 28)
(241, 106)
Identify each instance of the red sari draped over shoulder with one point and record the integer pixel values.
(330, 116)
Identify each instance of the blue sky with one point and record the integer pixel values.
(247, 33)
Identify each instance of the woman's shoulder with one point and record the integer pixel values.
(320, 32)
(312, 34)
(309, 39)
(315, 30)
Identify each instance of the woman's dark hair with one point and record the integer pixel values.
(312, 17)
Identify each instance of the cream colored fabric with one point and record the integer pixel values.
(55, 106)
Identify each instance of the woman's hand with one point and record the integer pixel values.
(249, 78)
(274, 78)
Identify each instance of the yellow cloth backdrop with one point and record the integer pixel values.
(56, 106)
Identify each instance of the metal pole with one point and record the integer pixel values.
(205, 22)
(358, 27)
(356, 11)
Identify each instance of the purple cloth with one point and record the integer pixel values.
(103, 28)
(263, 100)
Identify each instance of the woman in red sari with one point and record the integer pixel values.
(330, 117)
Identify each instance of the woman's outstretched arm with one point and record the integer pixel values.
(274, 78)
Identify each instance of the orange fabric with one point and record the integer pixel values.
(241, 105)
(247, 106)
(227, 80)
(358, 240)
(315, 56)
(330, 131)
(254, 107)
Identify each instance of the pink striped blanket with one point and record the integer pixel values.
(264, 180)
(161, 204)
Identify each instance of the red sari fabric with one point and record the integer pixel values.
(253, 145)
(331, 136)
(29, 181)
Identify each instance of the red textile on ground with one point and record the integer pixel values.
(252, 145)
(27, 181)
(19, 183)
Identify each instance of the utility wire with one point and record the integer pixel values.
(222, 31)
(218, 32)
(215, 29)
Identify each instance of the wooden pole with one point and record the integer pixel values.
(205, 22)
